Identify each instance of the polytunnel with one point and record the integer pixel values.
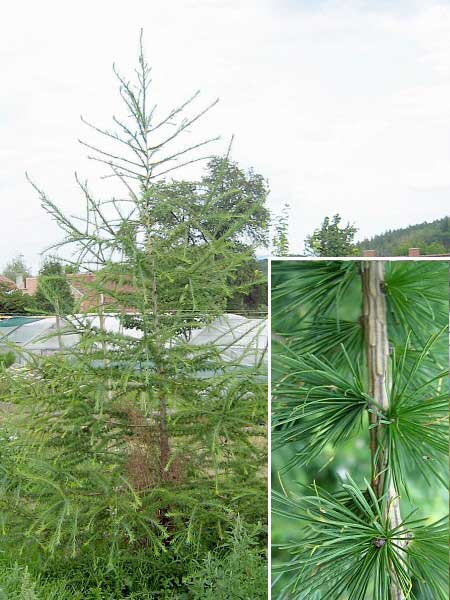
(240, 340)
(38, 336)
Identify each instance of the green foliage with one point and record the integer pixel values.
(332, 239)
(326, 337)
(431, 238)
(53, 294)
(238, 193)
(233, 573)
(321, 414)
(13, 301)
(315, 287)
(7, 359)
(417, 433)
(173, 575)
(17, 582)
(247, 299)
(87, 461)
(280, 239)
(315, 404)
(226, 201)
(347, 547)
(224, 194)
(415, 302)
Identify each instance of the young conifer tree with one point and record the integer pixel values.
(141, 441)
(361, 355)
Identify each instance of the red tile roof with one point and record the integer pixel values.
(5, 281)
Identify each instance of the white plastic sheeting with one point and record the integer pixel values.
(240, 340)
(39, 337)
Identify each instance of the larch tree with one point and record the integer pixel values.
(141, 441)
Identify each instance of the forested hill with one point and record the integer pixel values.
(431, 238)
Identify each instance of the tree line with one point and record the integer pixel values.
(335, 238)
(431, 238)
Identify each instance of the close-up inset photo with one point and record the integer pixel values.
(359, 429)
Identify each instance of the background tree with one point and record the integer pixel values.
(16, 266)
(239, 202)
(239, 205)
(239, 194)
(332, 239)
(360, 409)
(250, 289)
(154, 449)
(280, 239)
(53, 294)
(71, 269)
(13, 301)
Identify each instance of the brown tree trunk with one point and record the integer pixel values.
(377, 348)
(164, 445)
(164, 442)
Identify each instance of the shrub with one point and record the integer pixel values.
(235, 573)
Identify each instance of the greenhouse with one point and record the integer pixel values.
(37, 336)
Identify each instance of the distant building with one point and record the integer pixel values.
(82, 286)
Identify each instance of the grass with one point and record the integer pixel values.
(236, 570)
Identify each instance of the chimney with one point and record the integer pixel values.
(414, 252)
(369, 253)
(19, 281)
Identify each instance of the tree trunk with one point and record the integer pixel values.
(164, 442)
(377, 348)
(164, 446)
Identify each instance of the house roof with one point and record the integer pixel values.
(7, 282)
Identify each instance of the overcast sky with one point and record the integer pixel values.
(343, 105)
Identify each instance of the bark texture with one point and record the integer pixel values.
(377, 348)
